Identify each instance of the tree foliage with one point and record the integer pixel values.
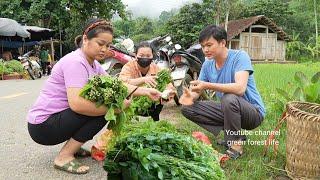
(186, 25)
(65, 15)
(296, 17)
(273, 9)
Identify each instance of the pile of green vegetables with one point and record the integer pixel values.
(142, 104)
(155, 150)
(110, 92)
(9, 67)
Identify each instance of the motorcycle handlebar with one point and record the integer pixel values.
(122, 51)
(187, 55)
(27, 54)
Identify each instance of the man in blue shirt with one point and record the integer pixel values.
(229, 73)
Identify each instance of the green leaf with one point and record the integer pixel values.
(311, 92)
(124, 164)
(85, 90)
(110, 116)
(301, 78)
(297, 95)
(143, 154)
(99, 103)
(284, 94)
(160, 173)
(316, 78)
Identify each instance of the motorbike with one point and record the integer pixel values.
(31, 66)
(163, 46)
(196, 50)
(116, 59)
(185, 68)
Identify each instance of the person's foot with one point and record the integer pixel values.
(70, 164)
(82, 153)
(235, 150)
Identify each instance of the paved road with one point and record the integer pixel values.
(20, 157)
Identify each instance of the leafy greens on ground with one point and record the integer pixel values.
(155, 150)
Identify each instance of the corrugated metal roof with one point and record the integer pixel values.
(36, 28)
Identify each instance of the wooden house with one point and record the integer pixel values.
(259, 36)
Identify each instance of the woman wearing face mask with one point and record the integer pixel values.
(142, 71)
(60, 114)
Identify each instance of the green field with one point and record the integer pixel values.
(252, 165)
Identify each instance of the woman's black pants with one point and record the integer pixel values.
(64, 125)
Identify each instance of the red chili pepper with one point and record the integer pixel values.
(201, 137)
(97, 154)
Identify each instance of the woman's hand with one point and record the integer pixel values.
(152, 93)
(169, 95)
(173, 92)
(127, 103)
(150, 81)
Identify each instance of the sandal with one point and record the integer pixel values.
(72, 167)
(82, 153)
(234, 154)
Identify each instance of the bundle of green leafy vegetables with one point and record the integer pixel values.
(155, 150)
(142, 104)
(110, 92)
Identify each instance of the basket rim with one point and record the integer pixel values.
(290, 106)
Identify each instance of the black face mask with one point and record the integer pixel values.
(144, 62)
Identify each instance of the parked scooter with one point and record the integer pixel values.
(31, 66)
(117, 58)
(185, 68)
(163, 47)
(196, 50)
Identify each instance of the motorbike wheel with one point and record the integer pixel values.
(38, 72)
(115, 72)
(185, 83)
(30, 72)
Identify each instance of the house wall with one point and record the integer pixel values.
(262, 46)
(281, 50)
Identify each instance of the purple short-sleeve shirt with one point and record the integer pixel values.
(71, 71)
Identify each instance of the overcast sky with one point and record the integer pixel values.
(153, 8)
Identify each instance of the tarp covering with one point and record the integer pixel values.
(17, 44)
(10, 27)
(39, 33)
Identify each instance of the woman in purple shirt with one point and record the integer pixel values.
(60, 114)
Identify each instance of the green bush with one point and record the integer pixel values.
(141, 37)
(306, 90)
(307, 59)
(9, 67)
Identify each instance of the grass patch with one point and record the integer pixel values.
(252, 165)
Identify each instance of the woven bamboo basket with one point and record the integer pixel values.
(303, 140)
